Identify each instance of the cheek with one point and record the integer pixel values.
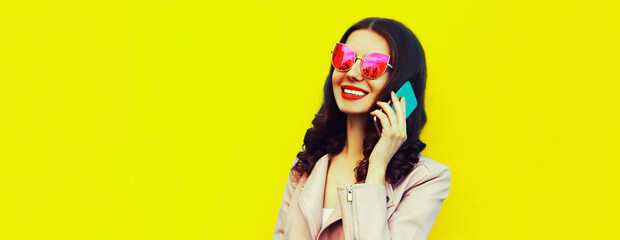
(337, 77)
(379, 84)
(335, 83)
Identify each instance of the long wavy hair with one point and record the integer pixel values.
(328, 134)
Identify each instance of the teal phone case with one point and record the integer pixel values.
(411, 102)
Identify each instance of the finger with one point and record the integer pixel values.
(387, 110)
(404, 123)
(397, 107)
(382, 118)
(404, 105)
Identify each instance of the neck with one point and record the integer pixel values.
(354, 147)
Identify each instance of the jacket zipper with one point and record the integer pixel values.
(352, 212)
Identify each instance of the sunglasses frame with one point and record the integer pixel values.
(356, 57)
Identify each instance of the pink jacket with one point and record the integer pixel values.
(405, 210)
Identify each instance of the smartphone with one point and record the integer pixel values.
(410, 103)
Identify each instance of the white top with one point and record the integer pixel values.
(326, 213)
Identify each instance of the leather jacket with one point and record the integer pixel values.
(405, 210)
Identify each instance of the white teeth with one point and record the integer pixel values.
(354, 92)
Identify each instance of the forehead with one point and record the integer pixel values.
(364, 41)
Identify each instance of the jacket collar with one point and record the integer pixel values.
(313, 192)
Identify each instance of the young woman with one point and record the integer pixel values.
(350, 181)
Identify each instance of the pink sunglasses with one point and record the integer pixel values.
(373, 65)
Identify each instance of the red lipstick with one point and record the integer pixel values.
(354, 88)
(352, 97)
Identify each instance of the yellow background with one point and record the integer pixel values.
(180, 119)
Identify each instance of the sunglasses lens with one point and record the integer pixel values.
(375, 64)
(343, 57)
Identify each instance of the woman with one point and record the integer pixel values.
(350, 182)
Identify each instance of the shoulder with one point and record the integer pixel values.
(294, 162)
(293, 175)
(428, 178)
(431, 168)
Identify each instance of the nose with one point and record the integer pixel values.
(355, 73)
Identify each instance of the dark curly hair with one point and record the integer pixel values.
(328, 134)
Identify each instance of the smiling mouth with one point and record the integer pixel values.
(352, 94)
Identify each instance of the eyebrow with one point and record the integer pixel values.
(372, 51)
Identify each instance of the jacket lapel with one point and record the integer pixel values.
(337, 213)
(312, 193)
(389, 190)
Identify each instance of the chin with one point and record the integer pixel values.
(352, 110)
(361, 106)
